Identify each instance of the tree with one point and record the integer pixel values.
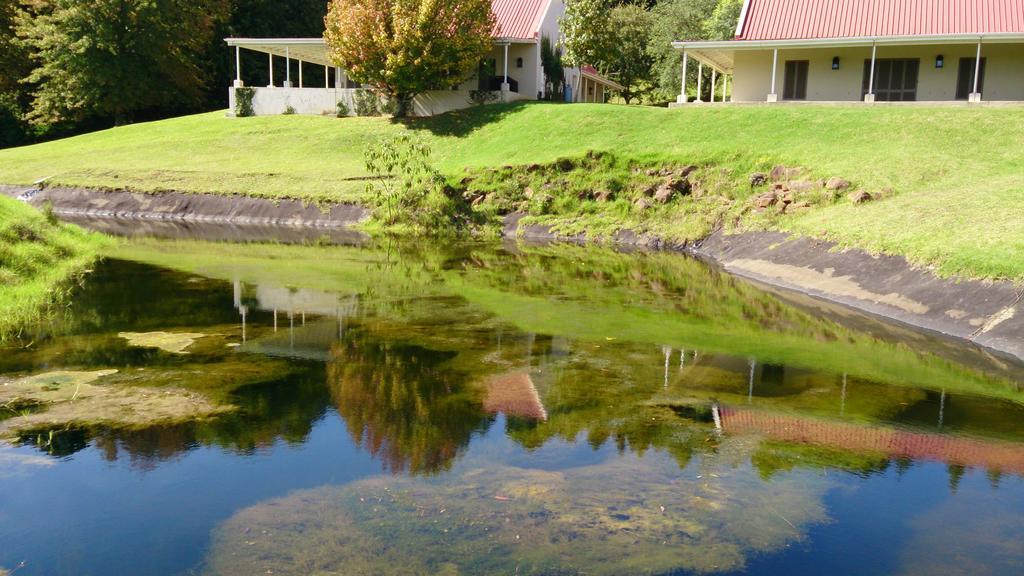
(587, 37)
(675, 20)
(554, 70)
(403, 48)
(114, 58)
(721, 25)
(630, 60)
(14, 58)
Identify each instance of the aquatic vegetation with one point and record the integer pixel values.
(626, 516)
(173, 342)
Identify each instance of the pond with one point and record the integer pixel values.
(340, 406)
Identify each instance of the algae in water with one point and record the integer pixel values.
(627, 516)
(173, 342)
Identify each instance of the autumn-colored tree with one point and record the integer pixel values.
(113, 58)
(403, 48)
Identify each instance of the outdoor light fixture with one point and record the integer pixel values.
(835, 62)
(939, 61)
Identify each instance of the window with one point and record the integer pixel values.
(794, 84)
(895, 79)
(965, 78)
(519, 62)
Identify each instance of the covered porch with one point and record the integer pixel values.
(868, 69)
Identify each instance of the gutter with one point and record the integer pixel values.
(993, 38)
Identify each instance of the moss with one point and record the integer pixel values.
(173, 342)
(625, 516)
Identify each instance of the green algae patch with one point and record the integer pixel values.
(628, 516)
(173, 342)
(66, 399)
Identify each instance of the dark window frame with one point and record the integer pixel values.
(794, 79)
(965, 77)
(892, 79)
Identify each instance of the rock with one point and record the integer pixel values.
(787, 198)
(687, 170)
(651, 172)
(583, 195)
(758, 179)
(603, 196)
(681, 185)
(801, 204)
(836, 183)
(642, 204)
(465, 182)
(664, 193)
(533, 168)
(477, 201)
(528, 192)
(798, 186)
(766, 200)
(778, 173)
(860, 197)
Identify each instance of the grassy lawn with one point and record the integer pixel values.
(951, 175)
(37, 261)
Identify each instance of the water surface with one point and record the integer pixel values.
(252, 408)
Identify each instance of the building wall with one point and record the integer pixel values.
(1004, 71)
(271, 101)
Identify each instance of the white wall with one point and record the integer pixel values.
(271, 101)
(1004, 73)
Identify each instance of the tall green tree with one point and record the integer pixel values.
(403, 48)
(721, 25)
(675, 20)
(115, 58)
(587, 37)
(631, 62)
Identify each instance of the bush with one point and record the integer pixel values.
(243, 101)
(366, 103)
(343, 110)
(481, 97)
(289, 110)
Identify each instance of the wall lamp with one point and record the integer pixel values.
(835, 62)
(940, 61)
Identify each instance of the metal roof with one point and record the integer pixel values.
(808, 19)
(518, 19)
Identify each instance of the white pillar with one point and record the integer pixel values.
(725, 87)
(327, 77)
(238, 67)
(682, 89)
(975, 96)
(300, 73)
(773, 96)
(506, 64)
(271, 57)
(714, 82)
(700, 80)
(287, 68)
(870, 96)
(337, 77)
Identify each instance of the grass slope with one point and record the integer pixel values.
(954, 172)
(37, 258)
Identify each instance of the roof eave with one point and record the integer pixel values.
(991, 38)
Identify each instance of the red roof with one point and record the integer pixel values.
(806, 19)
(518, 19)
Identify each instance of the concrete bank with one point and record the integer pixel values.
(990, 314)
(180, 207)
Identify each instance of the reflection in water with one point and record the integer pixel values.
(623, 516)
(586, 402)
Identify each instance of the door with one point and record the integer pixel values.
(965, 78)
(895, 79)
(794, 83)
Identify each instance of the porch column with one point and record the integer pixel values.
(975, 95)
(870, 96)
(700, 80)
(682, 89)
(327, 77)
(238, 67)
(271, 57)
(287, 68)
(714, 81)
(300, 73)
(725, 87)
(504, 85)
(772, 96)
(337, 78)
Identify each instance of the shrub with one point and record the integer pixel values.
(343, 110)
(243, 101)
(481, 97)
(289, 110)
(366, 103)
